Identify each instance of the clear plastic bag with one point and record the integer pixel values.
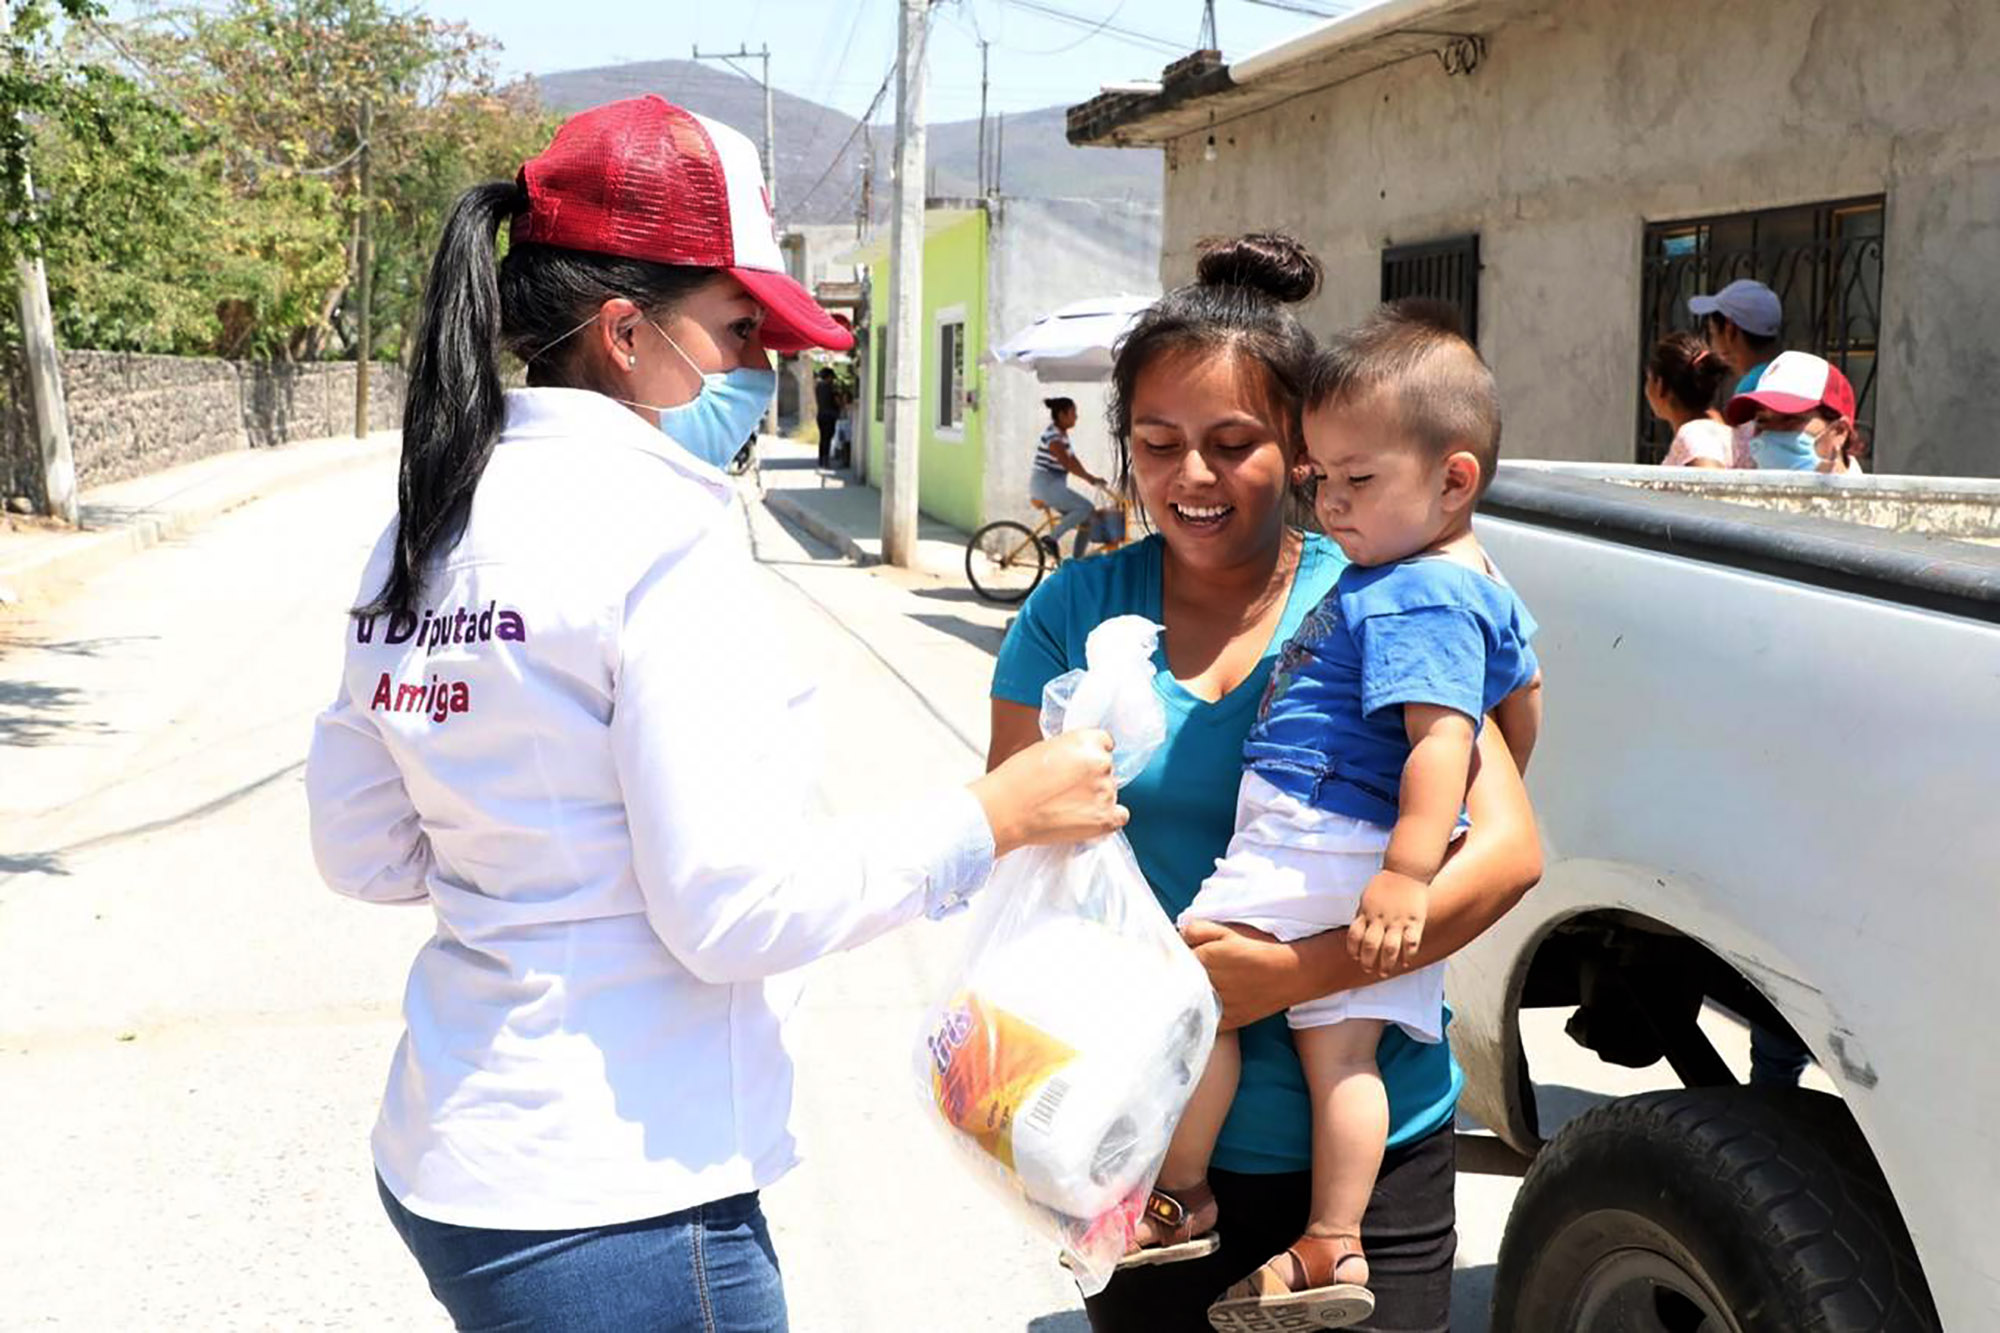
(1077, 1022)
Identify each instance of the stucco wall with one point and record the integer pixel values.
(1047, 253)
(131, 414)
(1590, 118)
(950, 463)
(1005, 264)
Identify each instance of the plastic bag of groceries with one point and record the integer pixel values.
(1077, 1022)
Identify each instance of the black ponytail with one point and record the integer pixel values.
(454, 407)
(1057, 406)
(1692, 375)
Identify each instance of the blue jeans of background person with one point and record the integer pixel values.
(708, 1269)
(1777, 1059)
(1054, 492)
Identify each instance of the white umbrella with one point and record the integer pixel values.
(1075, 342)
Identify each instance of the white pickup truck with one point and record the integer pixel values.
(1769, 782)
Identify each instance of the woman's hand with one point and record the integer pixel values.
(1056, 791)
(1485, 873)
(1254, 974)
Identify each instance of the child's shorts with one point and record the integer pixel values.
(1293, 871)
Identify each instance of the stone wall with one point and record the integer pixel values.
(131, 414)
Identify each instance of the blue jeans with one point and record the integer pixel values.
(1777, 1059)
(708, 1269)
(1054, 492)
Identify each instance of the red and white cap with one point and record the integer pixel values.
(645, 179)
(1794, 384)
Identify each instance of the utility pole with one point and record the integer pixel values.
(863, 218)
(1208, 41)
(982, 117)
(364, 261)
(906, 295)
(729, 58)
(38, 349)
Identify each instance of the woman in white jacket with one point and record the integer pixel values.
(569, 725)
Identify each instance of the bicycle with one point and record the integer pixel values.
(1005, 560)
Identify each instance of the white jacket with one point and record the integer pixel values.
(592, 753)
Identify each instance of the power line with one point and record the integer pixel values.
(1092, 28)
(1294, 7)
(840, 153)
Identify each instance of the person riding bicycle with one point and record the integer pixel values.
(1049, 481)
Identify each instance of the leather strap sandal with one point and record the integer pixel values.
(1181, 1225)
(1267, 1302)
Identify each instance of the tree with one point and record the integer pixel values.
(280, 83)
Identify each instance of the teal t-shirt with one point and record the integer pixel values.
(1183, 812)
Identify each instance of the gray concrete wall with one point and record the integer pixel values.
(1046, 253)
(131, 414)
(1590, 118)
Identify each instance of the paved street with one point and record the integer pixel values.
(193, 1033)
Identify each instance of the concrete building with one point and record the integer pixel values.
(991, 267)
(1571, 170)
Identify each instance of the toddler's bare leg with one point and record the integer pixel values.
(1350, 1127)
(1201, 1125)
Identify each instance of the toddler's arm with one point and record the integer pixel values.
(1388, 929)
(1519, 717)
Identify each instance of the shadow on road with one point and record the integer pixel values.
(952, 595)
(986, 638)
(1471, 1298)
(32, 713)
(32, 863)
(1556, 1104)
(1069, 1321)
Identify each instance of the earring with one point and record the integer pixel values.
(631, 361)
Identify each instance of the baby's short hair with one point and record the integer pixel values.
(1415, 349)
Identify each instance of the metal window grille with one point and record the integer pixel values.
(1447, 270)
(951, 376)
(1823, 260)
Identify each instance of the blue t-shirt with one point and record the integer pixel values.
(1424, 631)
(1183, 812)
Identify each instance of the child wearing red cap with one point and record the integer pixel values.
(1803, 409)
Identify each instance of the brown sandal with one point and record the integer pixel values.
(1172, 1214)
(1265, 1302)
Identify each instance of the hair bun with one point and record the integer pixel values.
(1266, 261)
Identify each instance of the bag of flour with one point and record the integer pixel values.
(1077, 1023)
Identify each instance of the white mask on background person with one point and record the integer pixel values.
(1790, 449)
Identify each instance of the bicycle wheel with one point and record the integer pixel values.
(1004, 562)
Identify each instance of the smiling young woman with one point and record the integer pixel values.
(1206, 415)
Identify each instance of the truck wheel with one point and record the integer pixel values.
(1738, 1210)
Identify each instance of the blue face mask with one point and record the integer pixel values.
(1789, 449)
(717, 421)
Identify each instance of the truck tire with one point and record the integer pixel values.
(1735, 1210)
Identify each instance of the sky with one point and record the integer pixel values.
(837, 51)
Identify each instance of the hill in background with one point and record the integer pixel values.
(820, 149)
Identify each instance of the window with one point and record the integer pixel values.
(951, 372)
(1823, 260)
(1446, 270)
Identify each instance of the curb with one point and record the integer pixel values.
(79, 556)
(781, 504)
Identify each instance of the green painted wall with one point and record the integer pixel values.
(951, 466)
